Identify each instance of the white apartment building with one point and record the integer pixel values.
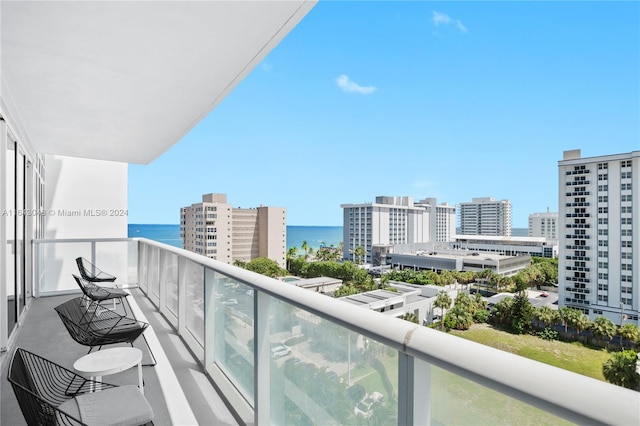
(215, 229)
(485, 216)
(543, 225)
(599, 238)
(395, 220)
(442, 224)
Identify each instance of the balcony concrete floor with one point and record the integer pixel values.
(43, 333)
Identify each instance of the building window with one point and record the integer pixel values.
(603, 298)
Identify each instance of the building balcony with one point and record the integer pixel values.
(281, 354)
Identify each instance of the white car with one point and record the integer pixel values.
(230, 302)
(280, 351)
(365, 406)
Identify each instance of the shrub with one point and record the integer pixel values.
(548, 334)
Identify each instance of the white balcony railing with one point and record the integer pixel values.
(284, 355)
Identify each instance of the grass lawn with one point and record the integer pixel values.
(568, 356)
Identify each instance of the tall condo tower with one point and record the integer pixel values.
(215, 229)
(485, 216)
(599, 238)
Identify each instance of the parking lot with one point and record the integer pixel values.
(537, 298)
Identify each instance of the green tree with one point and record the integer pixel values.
(265, 266)
(459, 318)
(578, 321)
(359, 252)
(292, 253)
(305, 247)
(521, 313)
(566, 313)
(543, 315)
(443, 302)
(630, 333)
(581, 323)
(621, 369)
(501, 314)
(603, 327)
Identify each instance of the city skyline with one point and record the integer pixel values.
(423, 99)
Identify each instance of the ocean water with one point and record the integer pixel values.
(167, 234)
(315, 236)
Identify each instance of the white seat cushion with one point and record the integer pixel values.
(119, 406)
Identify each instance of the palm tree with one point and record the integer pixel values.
(291, 254)
(630, 332)
(621, 369)
(305, 248)
(543, 314)
(443, 301)
(359, 252)
(565, 316)
(603, 327)
(581, 323)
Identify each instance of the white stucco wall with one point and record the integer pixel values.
(85, 198)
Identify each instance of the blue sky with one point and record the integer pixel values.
(452, 100)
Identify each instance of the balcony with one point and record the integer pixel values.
(222, 356)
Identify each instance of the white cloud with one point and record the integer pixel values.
(439, 18)
(351, 86)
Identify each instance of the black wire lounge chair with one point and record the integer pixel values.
(96, 294)
(92, 273)
(95, 326)
(49, 394)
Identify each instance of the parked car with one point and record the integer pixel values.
(544, 294)
(365, 406)
(230, 302)
(280, 351)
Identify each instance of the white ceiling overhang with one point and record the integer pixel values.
(125, 80)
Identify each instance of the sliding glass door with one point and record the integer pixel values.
(15, 231)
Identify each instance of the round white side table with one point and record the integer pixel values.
(110, 361)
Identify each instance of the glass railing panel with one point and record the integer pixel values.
(322, 373)
(194, 300)
(169, 278)
(455, 400)
(153, 272)
(58, 263)
(143, 252)
(233, 331)
(113, 257)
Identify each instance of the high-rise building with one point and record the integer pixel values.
(215, 229)
(543, 225)
(485, 216)
(395, 220)
(598, 225)
(442, 224)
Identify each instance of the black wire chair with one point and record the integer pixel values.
(96, 294)
(49, 394)
(92, 273)
(95, 326)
